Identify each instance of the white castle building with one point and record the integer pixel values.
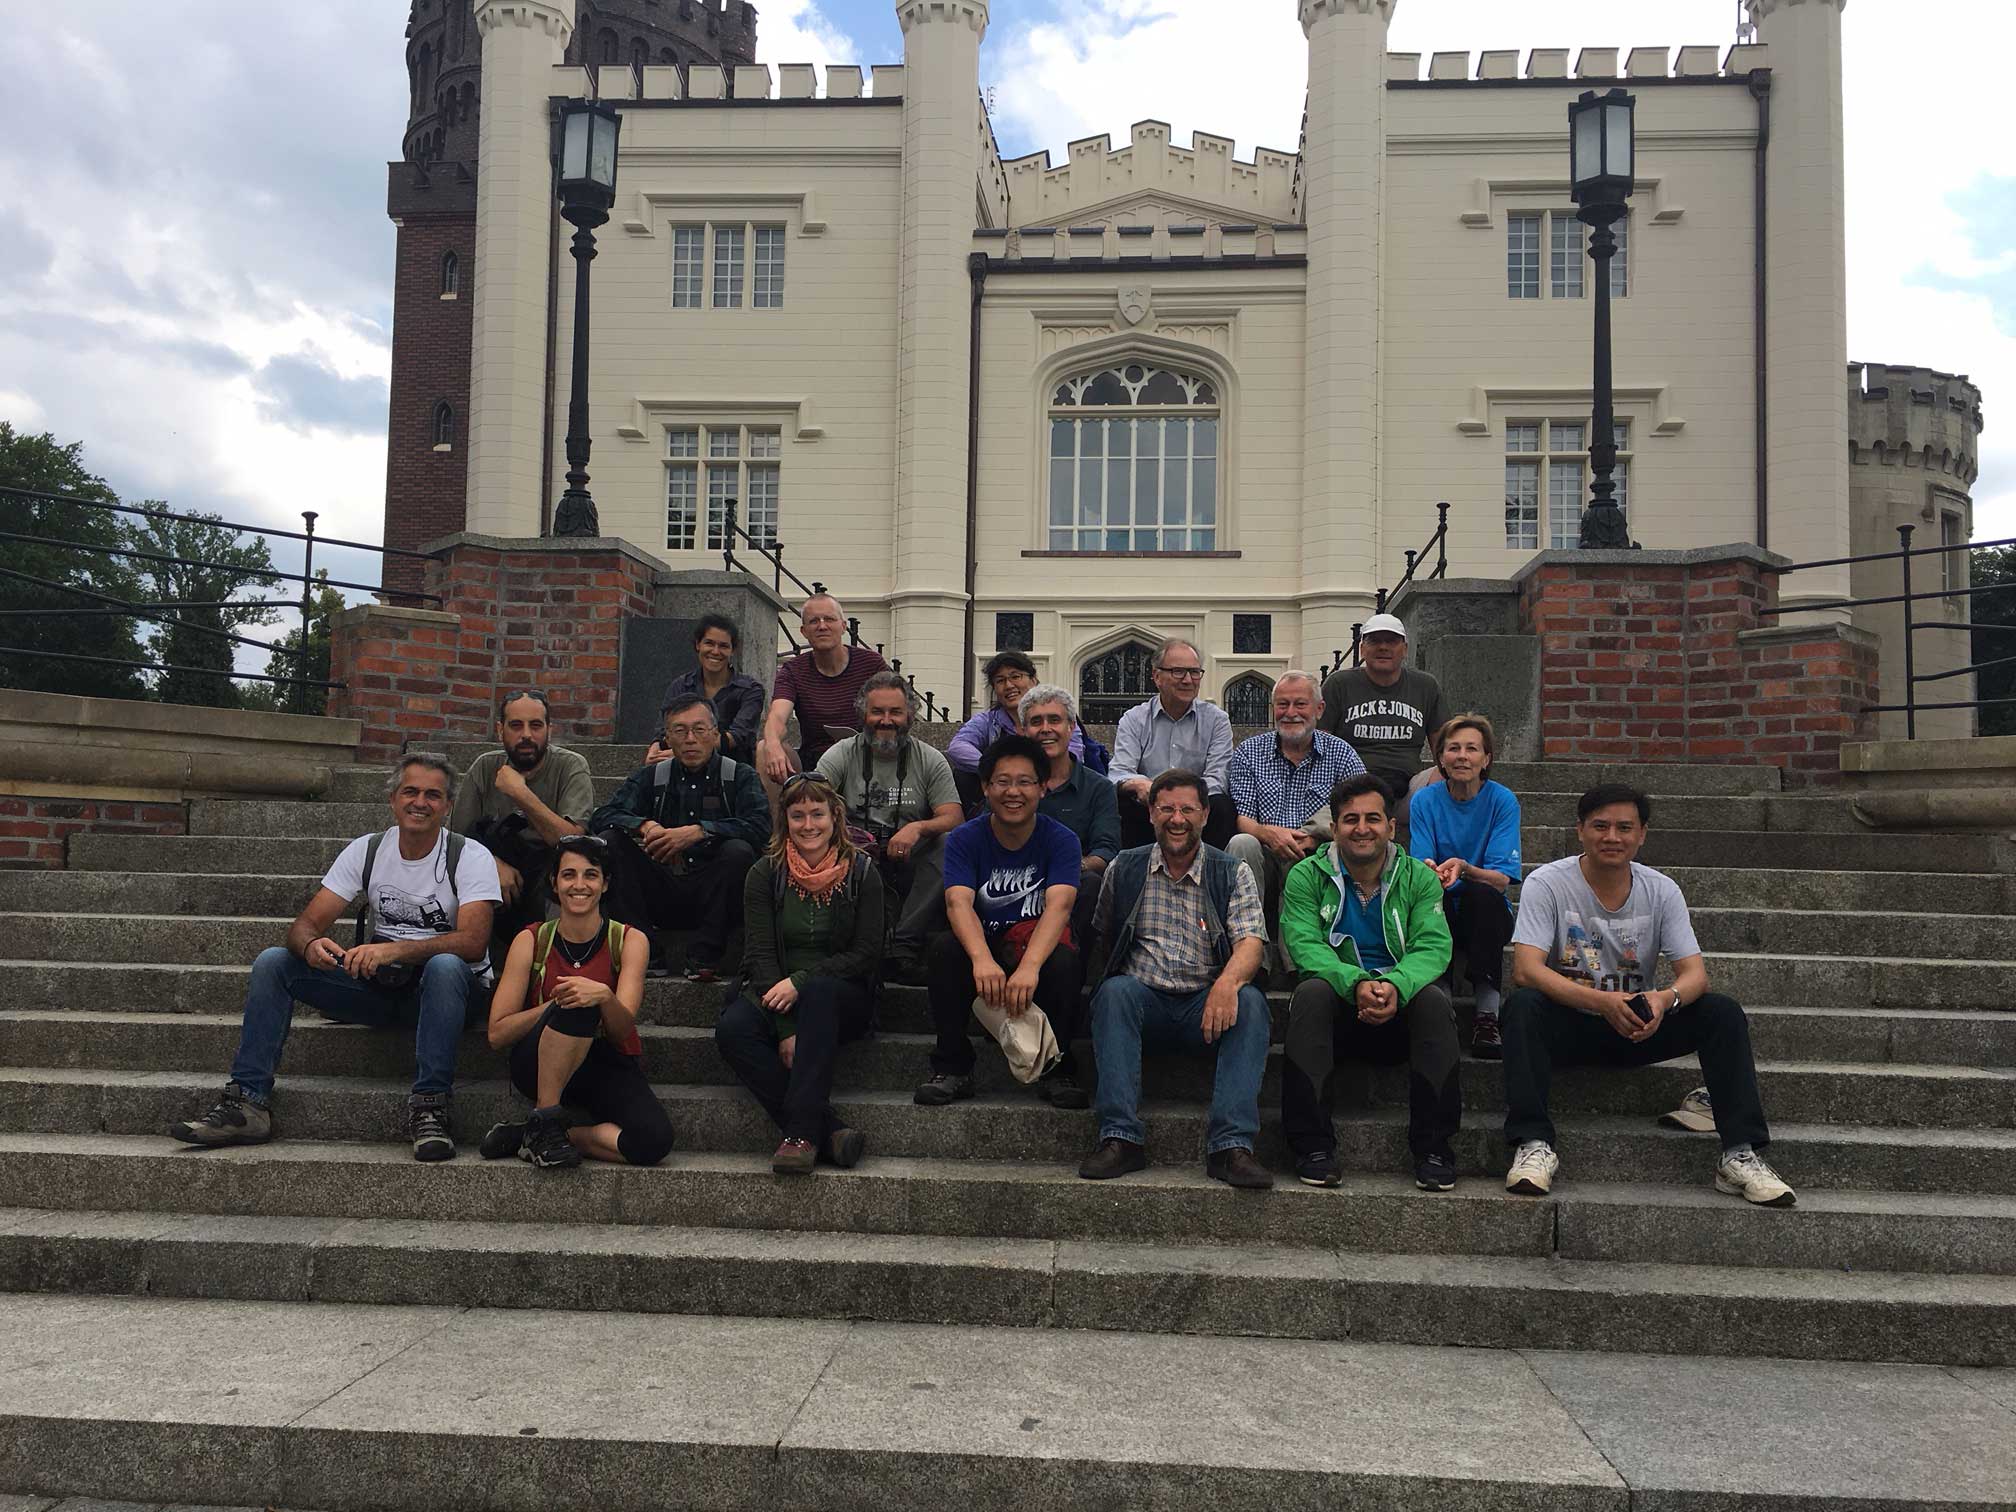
(1154, 389)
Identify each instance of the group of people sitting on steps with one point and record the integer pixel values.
(1180, 876)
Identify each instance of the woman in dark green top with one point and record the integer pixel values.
(812, 916)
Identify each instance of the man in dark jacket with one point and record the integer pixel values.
(683, 833)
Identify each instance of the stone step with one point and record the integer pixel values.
(412, 1407)
(1443, 1300)
(364, 1100)
(1583, 1220)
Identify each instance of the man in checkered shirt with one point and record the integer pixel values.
(1281, 782)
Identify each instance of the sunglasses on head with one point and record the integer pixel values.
(592, 842)
(804, 779)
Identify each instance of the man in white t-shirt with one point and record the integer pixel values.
(1585, 957)
(425, 963)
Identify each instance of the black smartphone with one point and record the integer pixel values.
(1639, 1004)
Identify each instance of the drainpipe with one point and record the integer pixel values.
(1760, 91)
(976, 270)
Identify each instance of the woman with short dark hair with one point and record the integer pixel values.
(738, 700)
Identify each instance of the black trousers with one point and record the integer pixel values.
(1220, 824)
(1480, 920)
(1541, 1034)
(610, 1087)
(1323, 1028)
(830, 1012)
(704, 895)
(1058, 985)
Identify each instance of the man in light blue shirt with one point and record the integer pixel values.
(1174, 729)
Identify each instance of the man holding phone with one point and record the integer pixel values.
(1585, 956)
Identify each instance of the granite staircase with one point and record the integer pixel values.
(322, 1323)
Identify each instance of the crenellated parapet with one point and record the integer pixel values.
(1914, 417)
(1590, 63)
(745, 82)
(993, 188)
(1153, 181)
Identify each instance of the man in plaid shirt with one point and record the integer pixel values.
(1280, 784)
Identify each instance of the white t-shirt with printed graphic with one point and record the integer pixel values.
(411, 900)
(1611, 950)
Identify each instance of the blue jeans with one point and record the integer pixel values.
(438, 1004)
(1127, 1013)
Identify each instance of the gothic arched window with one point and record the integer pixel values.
(1134, 461)
(423, 75)
(1115, 681)
(609, 47)
(1249, 700)
(640, 53)
(444, 424)
(451, 275)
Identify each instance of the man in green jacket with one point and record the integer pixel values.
(1362, 923)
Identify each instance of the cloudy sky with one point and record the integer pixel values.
(195, 264)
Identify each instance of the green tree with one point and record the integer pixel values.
(44, 464)
(1996, 610)
(190, 640)
(293, 698)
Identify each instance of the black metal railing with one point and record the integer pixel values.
(1910, 598)
(1437, 543)
(159, 612)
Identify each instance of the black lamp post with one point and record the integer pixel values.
(587, 190)
(1600, 153)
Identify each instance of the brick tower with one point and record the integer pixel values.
(431, 197)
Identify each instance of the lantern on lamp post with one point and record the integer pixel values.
(587, 187)
(1601, 148)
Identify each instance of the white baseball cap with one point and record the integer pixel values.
(1388, 623)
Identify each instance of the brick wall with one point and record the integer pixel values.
(426, 491)
(548, 613)
(1671, 656)
(33, 830)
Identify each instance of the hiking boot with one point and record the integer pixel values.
(795, 1157)
(1063, 1091)
(1319, 1169)
(1485, 1041)
(503, 1141)
(845, 1147)
(233, 1120)
(1696, 1113)
(1744, 1174)
(943, 1089)
(546, 1143)
(1238, 1168)
(1533, 1168)
(1114, 1157)
(427, 1125)
(702, 971)
(1435, 1173)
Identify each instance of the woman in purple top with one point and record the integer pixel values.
(1009, 675)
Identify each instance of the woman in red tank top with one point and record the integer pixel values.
(572, 1034)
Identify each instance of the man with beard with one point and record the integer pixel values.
(901, 792)
(1188, 937)
(1078, 798)
(517, 802)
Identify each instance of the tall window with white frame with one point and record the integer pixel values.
(718, 463)
(1134, 461)
(1550, 459)
(1567, 243)
(728, 265)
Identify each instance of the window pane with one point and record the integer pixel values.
(766, 443)
(1063, 438)
(1205, 433)
(1522, 505)
(1566, 255)
(728, 251)
(1061, 473)
(1148, 473)
(768, 291)
(1622, 432)
(1163, 388)
(1090, 473)
(682, 506)
(1204, 496)
(1565, 495)
(1147, 540)
(1620, 265)
(724, 443)
(1622, 474)
(1522, 256)
(759, 509)
(721, 487)
(688, 252)
(1176, 471)
(1566, 436)
(682, 443)
(1522, 438)
(1062, 540)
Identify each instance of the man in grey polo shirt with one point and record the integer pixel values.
(1174, 729)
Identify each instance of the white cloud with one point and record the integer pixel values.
(797, 31)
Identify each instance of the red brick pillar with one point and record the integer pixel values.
(1649, 656)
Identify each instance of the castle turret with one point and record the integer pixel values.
(1343, 158)
(1806, 329)
(941, 146)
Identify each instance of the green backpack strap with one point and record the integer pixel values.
(542, 947)
(616, 931)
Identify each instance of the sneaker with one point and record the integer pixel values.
(1485, 1041)
(427, 1124)
(1533, 1168)
(503, 1140)
(845, 1147)
(234, 1120)
(546, 1143)
(1695, 1113)
(1746, 1175)
(943, 1089)
(1062, 1088)
(702, 971)
(795, 1157)
(1320, 1169)
(1238, 1168)
(1114, 1157)
(1435, 1173)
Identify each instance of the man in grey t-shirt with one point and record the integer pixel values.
(1383, 707)
(1585, 958)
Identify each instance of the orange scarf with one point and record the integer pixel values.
(815, 884)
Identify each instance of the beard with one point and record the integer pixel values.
(522, 759)
(887, 742)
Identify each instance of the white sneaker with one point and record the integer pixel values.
(1533, 1168)
(1747, 1176)
(1695, 1113)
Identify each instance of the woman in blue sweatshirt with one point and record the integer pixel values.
(1467, 827)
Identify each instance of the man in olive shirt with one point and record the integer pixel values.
(517, 802)
(1383, 707)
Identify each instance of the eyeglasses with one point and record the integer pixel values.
(804, 779)
(1184, 674)
(1014, 784)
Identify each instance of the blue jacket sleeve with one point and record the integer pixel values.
(964, 749)
(1103, 834)
(1501, 847)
